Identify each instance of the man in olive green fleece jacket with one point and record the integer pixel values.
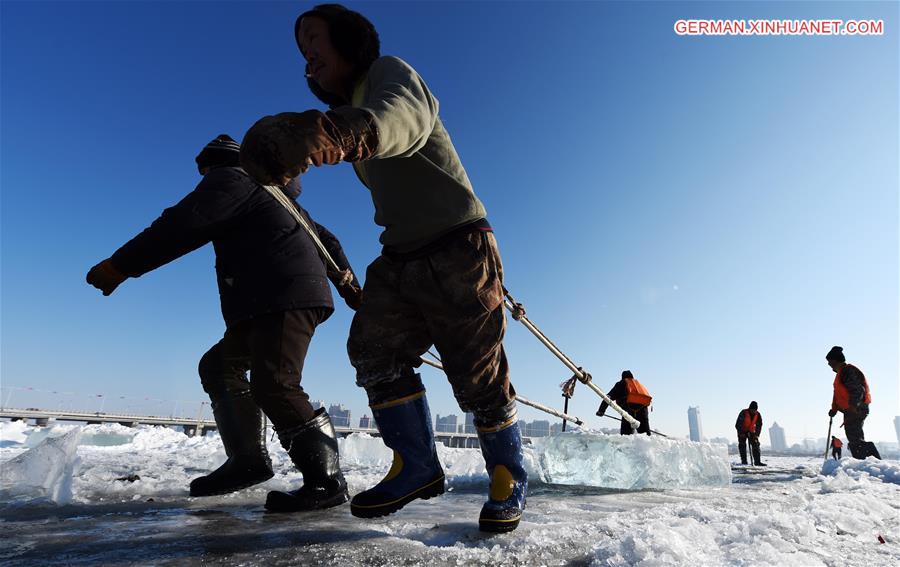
(439, 279)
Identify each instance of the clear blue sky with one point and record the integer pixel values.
(713, 213)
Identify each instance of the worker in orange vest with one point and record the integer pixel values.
(748, 425)
(852, 398)
(632, 397)
(836, 445)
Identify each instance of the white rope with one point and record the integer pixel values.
(288, 204)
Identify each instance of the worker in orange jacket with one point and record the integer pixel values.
(852, 398)
(749, 425)
(836, 445)
(632, 397)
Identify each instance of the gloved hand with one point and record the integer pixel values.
(105, 277)
(352, 295)
(281, 147)
(601, 413)
(832, 412)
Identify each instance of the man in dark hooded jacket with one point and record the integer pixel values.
(273, 288)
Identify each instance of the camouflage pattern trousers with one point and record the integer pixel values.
(450, 297)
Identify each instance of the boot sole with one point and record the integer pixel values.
(430, 490)
(498, 526)
(234, 488)
(321, 505)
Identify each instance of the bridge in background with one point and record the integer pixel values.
(191, 426)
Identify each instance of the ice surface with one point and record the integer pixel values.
(13, 433)
(798, 517)
(631, 462)
(885, 471)
(43, 472)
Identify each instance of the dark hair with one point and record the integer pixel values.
(353, 37)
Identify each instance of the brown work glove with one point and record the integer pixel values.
(281, 147)
(352, 294)
(832, 412)
(347, 287)
(105, 277)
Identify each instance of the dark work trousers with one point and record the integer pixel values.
(856, 438)
(640, 413)
(752, 440)
(836, 453)
(272, 347)
(450, 297)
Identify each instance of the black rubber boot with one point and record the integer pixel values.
(313, 448)
(239, 421)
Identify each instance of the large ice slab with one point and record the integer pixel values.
(43, 472)
(631, 462)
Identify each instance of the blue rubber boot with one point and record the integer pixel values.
(405, 427)
(502, 450)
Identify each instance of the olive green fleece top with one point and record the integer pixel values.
(418, 184)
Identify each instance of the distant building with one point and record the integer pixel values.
(340, 416)
(316, 404)
(446, 424)
(470, 423)
(776, 436)
(694, 424)
(365, 422)
(556, 427)
(538, 428)
(897, 427)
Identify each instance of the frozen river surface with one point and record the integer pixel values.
(60, 503)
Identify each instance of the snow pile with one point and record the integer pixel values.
(13, 433)
(43, 472)
(631, 462)
(885, 471)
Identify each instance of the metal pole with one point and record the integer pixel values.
(828, 437)
(8, 397)
(549, 410)
(583, 377)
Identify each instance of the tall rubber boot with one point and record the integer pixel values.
(416, 472)
(742, 449)
(757, 458)
(313, 448)
(502, 450)
(239, 421)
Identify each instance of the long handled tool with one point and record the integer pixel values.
(526, 401)
(518, 313)
(828, 437)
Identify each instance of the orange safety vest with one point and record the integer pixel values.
(750, 423)
(841, 399)
(837, 443)
(636, 394)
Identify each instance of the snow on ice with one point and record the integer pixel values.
(594, 500)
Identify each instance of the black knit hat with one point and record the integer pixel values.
(836, 353)
(754, 405)
(221, 152)
(627, 374)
